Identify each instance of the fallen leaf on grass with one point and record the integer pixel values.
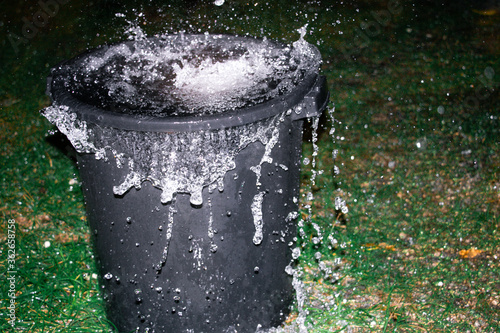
(383, 246)
(387, 246)
(64, 238)
(469, 254)
(291, 318)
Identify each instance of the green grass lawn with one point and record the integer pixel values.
(415, 91)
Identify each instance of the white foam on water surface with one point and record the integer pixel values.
(189, 74)
(212, 83)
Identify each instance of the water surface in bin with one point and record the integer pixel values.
(179, 75)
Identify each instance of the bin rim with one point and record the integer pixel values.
(310, 88)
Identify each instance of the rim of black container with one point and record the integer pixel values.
(102, 117)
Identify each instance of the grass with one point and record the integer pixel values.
(416, 104)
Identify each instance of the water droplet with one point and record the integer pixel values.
(421, 143)
(333, 241)
(296, 253)
(108, 276)
(489, 72)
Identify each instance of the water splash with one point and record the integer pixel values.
(301, 295)
(211, 230)
(269, 145)
(75, 130)
(168, 237)
(171, 76)
(177, 75)
(166, 159)
(340, 204)
(256, 208)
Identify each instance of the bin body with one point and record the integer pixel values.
(239, 286)
(175, 266)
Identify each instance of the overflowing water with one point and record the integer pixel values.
(180, 74)
(256, 208)
(175, 162)
(174, 76)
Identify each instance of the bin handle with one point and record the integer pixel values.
(314, 102)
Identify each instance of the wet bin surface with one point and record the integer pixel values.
(191, 201)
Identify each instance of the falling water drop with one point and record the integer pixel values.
(296, 253)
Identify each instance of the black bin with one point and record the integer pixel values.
(172, 260)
